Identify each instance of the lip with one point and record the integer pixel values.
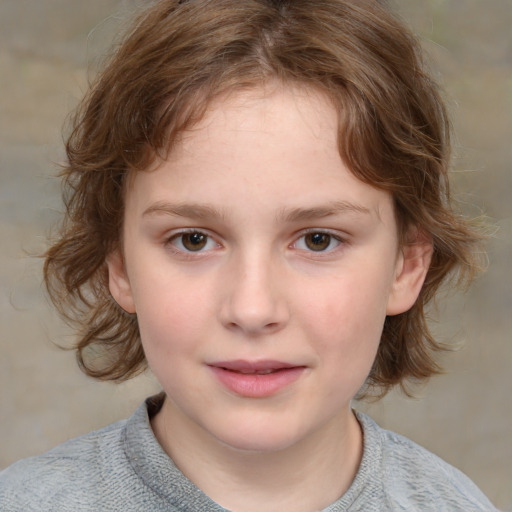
(256, 379)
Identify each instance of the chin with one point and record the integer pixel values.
(261, 439)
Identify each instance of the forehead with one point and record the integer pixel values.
(257, 115)
(274, 144)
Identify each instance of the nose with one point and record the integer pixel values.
(254, 297)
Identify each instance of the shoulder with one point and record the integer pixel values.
(71, 472)
(412, 478)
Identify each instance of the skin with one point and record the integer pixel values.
(259, 181)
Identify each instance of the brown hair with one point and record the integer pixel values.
(178, 56)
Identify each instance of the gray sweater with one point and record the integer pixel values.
(123, 468)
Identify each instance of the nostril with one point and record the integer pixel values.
(253, 303)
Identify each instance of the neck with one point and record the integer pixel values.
(309, 475)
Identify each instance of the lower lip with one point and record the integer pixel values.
(253, 385)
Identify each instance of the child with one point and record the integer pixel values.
(257, 207)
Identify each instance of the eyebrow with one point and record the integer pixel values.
(204, 211)
(190, 210)
(320, 212)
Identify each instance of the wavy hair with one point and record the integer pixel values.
(177, 57)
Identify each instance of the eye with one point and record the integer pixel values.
(318, 241)
(192, 241)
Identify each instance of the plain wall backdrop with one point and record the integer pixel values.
(47, 47)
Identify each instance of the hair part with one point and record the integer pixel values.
(394, 134)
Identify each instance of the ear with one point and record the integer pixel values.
(118, 281)
(412, 267)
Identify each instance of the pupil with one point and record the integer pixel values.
(318, 241)
(194, 241)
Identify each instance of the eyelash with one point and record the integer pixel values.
(332, 238)
(179, 237)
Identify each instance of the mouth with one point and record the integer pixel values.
(253, 368)
(257, 372)
(257, 379)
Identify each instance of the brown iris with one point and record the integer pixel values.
(194, 241)
(317, 241)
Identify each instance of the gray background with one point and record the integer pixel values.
(47, 47)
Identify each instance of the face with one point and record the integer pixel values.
(261, 271)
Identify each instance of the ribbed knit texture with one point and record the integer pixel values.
(123, 468)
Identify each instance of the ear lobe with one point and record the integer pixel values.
(118, 281)
(412, 269)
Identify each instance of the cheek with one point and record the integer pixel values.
(171, 316)
(170, 321)
(347, 304)
(169, 338)
(345, 319)
(164, 292)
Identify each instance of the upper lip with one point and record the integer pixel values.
(240, 365)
